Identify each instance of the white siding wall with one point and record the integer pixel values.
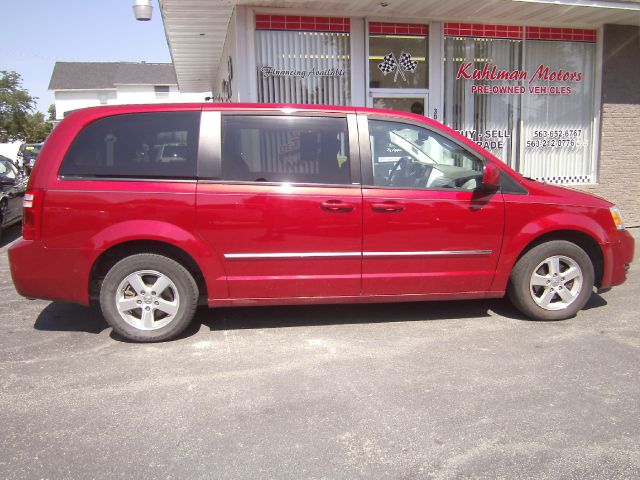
(67, 101)
(125, 94)
(146, 94)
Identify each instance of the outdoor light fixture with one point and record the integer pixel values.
(142, 9)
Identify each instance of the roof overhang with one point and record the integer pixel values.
(196, 29)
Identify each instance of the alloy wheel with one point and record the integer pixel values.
(556, 282)
(147, 300)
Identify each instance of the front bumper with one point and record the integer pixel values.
(618, 256)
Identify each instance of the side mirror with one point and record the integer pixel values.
(490, 178)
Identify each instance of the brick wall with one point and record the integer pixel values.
(619, 168)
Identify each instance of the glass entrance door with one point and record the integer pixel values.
(404, 103)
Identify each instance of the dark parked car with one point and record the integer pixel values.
(12, 188)
(266, 204)
(28, 154)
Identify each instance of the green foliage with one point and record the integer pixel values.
(52, 112)
(18, 118)
(35, 128)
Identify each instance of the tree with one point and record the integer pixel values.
(17, 107)
(52, 112)
(35, 128)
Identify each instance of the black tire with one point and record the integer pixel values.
(521, 292)
(180, 294)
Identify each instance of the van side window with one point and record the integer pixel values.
(408, 156)
(144, 145)
(285, 149)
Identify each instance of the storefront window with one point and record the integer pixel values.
(558, 127)
(398, 56)
(488, 119)
(303, 60)
(524, 94)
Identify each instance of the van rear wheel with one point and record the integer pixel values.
(552, 281)
(148, 298)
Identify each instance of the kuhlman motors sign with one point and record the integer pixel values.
(491, 72)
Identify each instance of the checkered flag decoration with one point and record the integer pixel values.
(391, 65)
(406, 63)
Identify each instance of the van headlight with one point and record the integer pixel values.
(617, 217)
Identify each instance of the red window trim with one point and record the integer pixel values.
(479, 30)
(398, 28)
(567, 34)
(301, 23)
(518, 32)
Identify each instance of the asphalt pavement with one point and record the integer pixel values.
(438, 390)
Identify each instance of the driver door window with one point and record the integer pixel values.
(408, 156)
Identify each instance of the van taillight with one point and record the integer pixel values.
(32, 214)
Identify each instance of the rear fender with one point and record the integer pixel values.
(209, 262)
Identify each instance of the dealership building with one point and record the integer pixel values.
(551, 87)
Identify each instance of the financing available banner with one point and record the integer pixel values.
(269, 71)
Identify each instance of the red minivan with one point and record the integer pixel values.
(151, 210)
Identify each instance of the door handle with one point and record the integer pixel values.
(336, 206)
(387, 207)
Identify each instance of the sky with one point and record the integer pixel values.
(34, 34)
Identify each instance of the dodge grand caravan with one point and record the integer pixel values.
(285, 204)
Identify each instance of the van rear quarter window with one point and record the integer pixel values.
(145, 145)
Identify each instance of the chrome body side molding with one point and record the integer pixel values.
(306, 255)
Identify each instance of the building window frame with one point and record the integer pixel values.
(398, 92)
(595, 121)
(162, 91)
(360, 81)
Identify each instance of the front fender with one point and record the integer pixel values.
(521, 231)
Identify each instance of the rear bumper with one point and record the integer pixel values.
(50, 274)
(618, 255)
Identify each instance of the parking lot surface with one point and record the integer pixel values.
(420, 390)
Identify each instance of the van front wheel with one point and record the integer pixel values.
(148, 298)
(552, 281)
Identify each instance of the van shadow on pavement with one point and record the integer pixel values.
(61, 316)
(69, 317)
